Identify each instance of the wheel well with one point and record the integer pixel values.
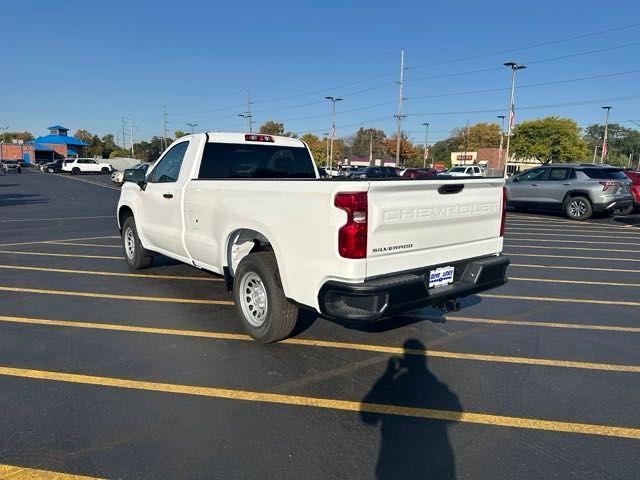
(576, 193)
(240, 244)
(123, 214)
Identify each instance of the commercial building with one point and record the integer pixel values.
(490, 159)
(58, 144)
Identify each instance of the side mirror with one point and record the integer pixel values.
(136, 176)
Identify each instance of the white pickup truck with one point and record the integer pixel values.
(253, 208)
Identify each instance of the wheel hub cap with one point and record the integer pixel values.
(130, 244)
(577, 208)
(253, 299)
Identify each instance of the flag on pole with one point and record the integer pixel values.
(333, 133)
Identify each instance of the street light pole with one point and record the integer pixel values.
(400, 116)
(246, 116)
(501, 117)
(192, 125)
(603, 153)
(333, 101)
(426, 142)
(514, 67)
(595, 152)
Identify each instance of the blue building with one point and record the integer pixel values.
(58, 144)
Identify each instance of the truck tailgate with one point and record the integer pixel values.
(414, 224)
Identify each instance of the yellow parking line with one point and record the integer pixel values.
(112, 274)
(576, 248)
(114, 296)
(386, 349)
(73, 255)
(549, 240)
(85, 244)
(328, 403)
(562, 300)
(525, 323)
(12, 472)
(558, 267)
(576, 282)
(61, 240)
(577, 257)
(570, 235)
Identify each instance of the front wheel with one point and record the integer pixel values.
(266, 314)
(137, 256)
(75, 171)
(578, 208)
(104, 171)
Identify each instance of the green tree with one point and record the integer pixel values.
(317, 146)
(8, 136)
(108, 145)
(621, 142)
(410, 155)
(84, 136)
(440, 152)
(481, 135)
(272, 128)
(550, 139)
(180, 133)
(359, 143)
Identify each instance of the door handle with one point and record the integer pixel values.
(567, 184)
(168, 195)
(534, 184)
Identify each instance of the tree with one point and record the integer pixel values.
(272, 128)
(180, 133)
(409, 154)
(359, 143)
(440, 152)
(317, 146)
(84, 136)
(481, 135)
(550, 139)
(8, 136)
(621, 142)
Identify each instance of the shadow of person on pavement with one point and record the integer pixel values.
(411, 447)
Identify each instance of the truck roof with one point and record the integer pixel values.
(230, 137)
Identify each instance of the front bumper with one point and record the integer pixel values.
(402, 292)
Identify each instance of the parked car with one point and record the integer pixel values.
(377, 172)
(578, 190)
(419, 173)
(464, 171)
(76, 166)
(635, 191)
(117, 177)
(11, 166)
(360, 250)
(52, 167)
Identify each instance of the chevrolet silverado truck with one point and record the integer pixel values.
(254, 209)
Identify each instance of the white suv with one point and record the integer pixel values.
(464, 171)
(85, 165)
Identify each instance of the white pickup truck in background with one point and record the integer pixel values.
(253, 208)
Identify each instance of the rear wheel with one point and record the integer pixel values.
(104, 170)
(75, 171)
(266, 314)
(137, 256)
(578, 208)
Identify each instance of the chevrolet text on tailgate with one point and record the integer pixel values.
(253, 208)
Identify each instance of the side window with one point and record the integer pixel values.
(535, 175)
(168, 169)
(558, 174)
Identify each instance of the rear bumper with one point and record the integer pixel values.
(613, 203)
(402, 292)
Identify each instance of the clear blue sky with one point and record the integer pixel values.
(87, 64)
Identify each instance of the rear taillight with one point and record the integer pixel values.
(352, 236)
(607, 185)
(503, 217)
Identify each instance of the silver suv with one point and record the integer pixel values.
(578, 190)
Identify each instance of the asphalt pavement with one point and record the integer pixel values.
(108, 373)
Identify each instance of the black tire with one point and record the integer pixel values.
(75, 171)
(136, 255)
(104, 171)
(278, 317)
(578, 208)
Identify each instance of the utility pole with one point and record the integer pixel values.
(4, 134)
(371, 148)
(466, 141)
(131, 131)
(327, 153)
(249, 112)
(603, 153)
(333, 101)
(595, 152)
(400, 116)
(124, 140)
(501, 117)
(426, 142)
(512, 108)
(164, 127)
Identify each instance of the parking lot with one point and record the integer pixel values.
(106, 373)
